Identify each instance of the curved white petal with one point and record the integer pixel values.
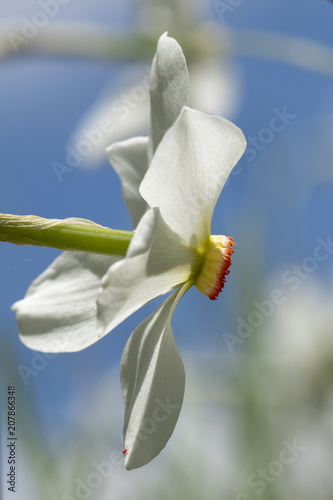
(169, 89)
(129, 159)
(58, 313)
(188, 171)
(156, 262)
(153, 381)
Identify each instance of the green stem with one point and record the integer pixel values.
(68, 234)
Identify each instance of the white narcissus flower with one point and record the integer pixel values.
(81, 297)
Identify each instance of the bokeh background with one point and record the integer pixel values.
(257, 419)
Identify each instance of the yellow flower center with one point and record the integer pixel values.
(215, 267)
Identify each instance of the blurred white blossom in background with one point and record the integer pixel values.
(215, 83)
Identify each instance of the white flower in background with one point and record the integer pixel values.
(300, 332)
(82, 296)
(124, 105)
(297, 344)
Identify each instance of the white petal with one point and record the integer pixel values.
(129, 159)
(188, 171)
(156, 262)
(58, 313)
(169, 89)
(153, 381)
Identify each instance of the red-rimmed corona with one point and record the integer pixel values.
(216, 266)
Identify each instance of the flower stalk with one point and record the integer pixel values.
(64, 234)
